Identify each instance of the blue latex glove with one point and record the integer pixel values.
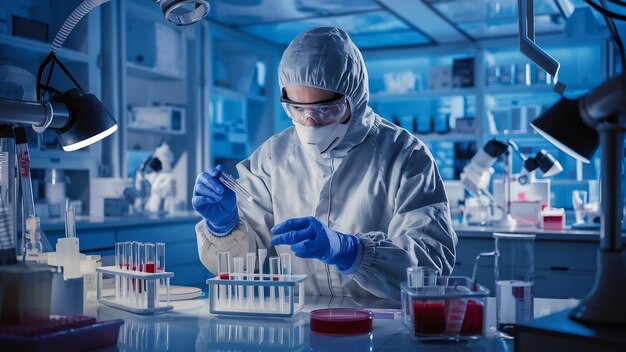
(309, 238)
(216, 203)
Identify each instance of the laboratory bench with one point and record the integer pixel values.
(176, 230)
(565, 260)
(190, 327)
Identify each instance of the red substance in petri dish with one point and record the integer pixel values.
(150, 268)
(224, 276)
(341, 321)
(473, 322)
(429, 318)
(275, 278)
(160, 269)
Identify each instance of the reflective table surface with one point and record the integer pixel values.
(190, 327)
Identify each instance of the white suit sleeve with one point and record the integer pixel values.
(420, 231)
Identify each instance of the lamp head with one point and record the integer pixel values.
(563, 126)
(88, 120)
(184, 12)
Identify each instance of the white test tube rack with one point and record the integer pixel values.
(223, 301)
(150, 301)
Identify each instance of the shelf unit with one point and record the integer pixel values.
(501, 111)
(240, 73)
(80, 54)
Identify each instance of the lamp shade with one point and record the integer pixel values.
(563, 126)
(88, 122)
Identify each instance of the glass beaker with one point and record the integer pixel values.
(579, 200)
(515, 268)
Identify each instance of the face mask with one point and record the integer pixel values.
(321, 139)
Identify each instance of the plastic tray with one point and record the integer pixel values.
(82, 338)
(451, 311)
(278, 296)
(147, 301)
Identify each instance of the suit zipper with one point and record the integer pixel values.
(330, 191)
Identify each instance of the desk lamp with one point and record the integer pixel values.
(80, 119)
(577, 127)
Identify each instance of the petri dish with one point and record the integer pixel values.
(341, 321)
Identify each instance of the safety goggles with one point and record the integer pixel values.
(324, 113)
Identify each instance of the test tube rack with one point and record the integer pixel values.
(143, 302)
(283, 295)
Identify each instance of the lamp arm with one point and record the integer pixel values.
(528, 47)
(605, 102)
(36, 113)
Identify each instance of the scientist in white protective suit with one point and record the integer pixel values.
(356, 198)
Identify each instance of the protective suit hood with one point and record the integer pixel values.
(326, 58)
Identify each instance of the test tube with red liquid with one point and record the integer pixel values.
(223, 269)
(151, 292)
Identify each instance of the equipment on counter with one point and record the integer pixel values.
(139, 273)
(236, 291)
(154, 185)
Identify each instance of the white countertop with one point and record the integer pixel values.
(190, 327)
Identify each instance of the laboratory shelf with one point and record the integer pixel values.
(230, 93)
(518, 136)
(426, 94)
(431, 137)
(152, 130)
(42, 48)
(151, 73)
(533, 89)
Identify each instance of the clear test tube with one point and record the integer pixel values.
(262, 256)
(238, 270)
(160, 257)
(119, 260)
(275, 276)
(160, 267)
(250, 266)
(285, 262)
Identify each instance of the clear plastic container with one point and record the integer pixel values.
(272, 295)
(449, 310)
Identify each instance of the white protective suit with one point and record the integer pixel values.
(380, 183)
